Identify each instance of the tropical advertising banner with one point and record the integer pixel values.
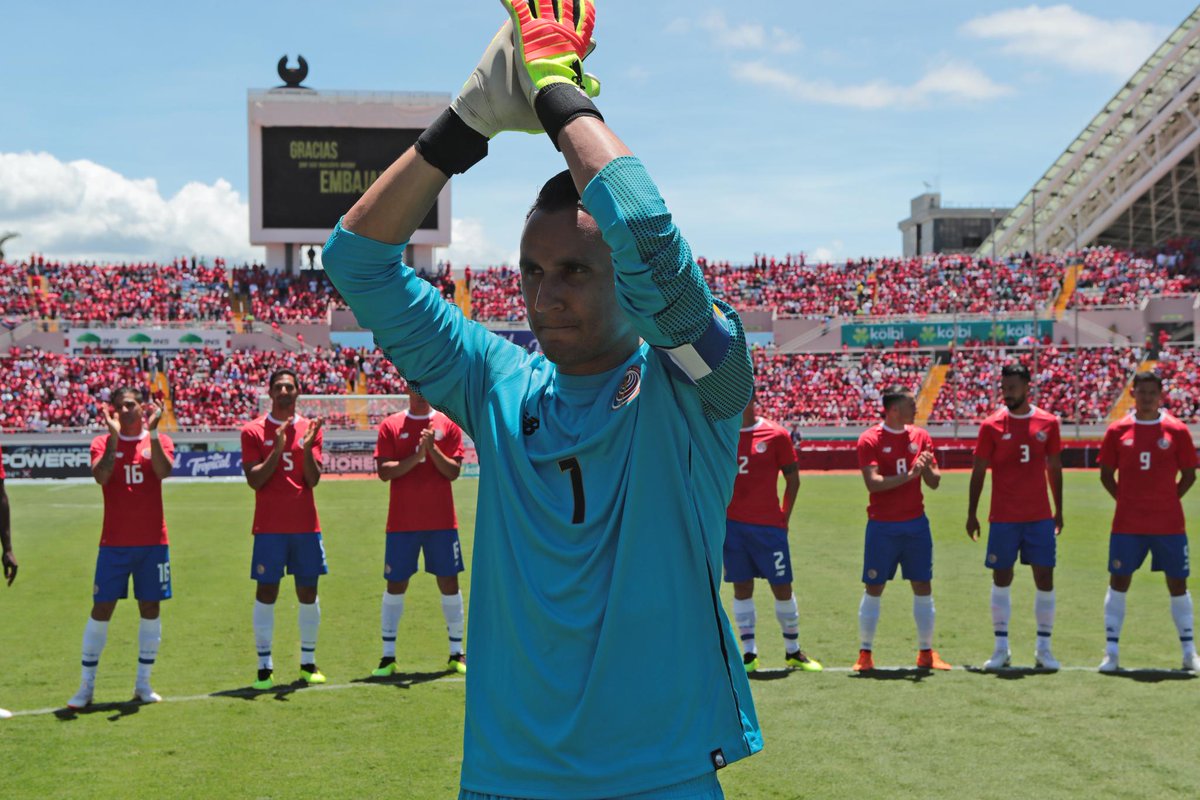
(138, 339)
(937, 334)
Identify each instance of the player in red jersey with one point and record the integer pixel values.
(7, 559)
(419, 452)
(895, 458)
(130, 462)
(1022, 445)
(756, 530)
(1155, 457)
(281, 456)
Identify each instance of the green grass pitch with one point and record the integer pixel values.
(830, 735)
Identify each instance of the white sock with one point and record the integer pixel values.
(310, 623)
(452, 612)
(1001, 612)
(1043, 611)
(95, 634)
(745, 618)
(264, 633)
(868, 619)
(149, 637)
(389, 621)
(789, 622)
(1181, 612)
(1114, 618)
(924, 613)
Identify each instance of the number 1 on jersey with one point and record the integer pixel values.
(572, 465)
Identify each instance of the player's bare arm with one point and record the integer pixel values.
(1187, 477)
(102, 468)
(388, 469)
(880, 483)
(312, 470)
(158, 457)
(259, 473)
(7, 559)
(448, 468)
(1054, 474)
(1108, 479)
(791, 488)
(929, 471)
(978, 474)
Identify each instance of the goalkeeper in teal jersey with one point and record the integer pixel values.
(602, 663)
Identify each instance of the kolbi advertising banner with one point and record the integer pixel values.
(940, 334)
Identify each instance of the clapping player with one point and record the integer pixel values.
(130, 462)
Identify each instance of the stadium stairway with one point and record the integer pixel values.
(1070, 280)
(356, 408)
(462, 297)
(931, 387)
(161, 387)
(1124, 402)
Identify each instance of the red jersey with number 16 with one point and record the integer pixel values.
(1017, 447)
(1147, 457)
(421, 499)
(285, 503)
(894, 453)
(763, 450)
(133, 506)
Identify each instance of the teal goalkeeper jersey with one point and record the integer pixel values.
(602, 663)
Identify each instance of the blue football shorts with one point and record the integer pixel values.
(301, 554)
(907, 544)
(149, 565)
(1168, 553)
(1035, 541)
(756, 551)
(443, 554)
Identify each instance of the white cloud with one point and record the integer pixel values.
(952, 81)
(471, 246)
(1068, 37)
(80, 209)
(738, 36)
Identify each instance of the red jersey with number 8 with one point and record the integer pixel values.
(1017, 447)
(1147, 457)
(894, 453)
(133, 506)
(285, 503)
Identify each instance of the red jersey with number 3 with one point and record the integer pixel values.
(420, 499)
(285, 503)
(1147, 457)
(1017, 447)
(763, 450)
(133, 506)
(894, 453)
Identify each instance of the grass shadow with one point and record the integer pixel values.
(1010, 673)
(1151, 675)
(914, 674)
(125, 708)
(280, 692)
(768, 674)
(405, 680)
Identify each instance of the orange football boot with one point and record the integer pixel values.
(865, 663)
(929, 659)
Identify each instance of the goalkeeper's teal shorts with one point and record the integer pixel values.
(706, 787)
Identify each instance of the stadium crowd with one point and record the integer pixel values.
(1114, 278)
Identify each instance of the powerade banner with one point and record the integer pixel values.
(47, 461)
(134, 340)
(934, 334)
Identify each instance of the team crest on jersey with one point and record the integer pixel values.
(146, 453)
(1164, 443)
(761, 447)
(438, 435)
(1040, 436)
(630, 387)
(913, 447)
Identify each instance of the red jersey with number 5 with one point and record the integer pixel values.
(133, 506)
(763, 450)
(285, 503)
(894, 453)
(1017, 447)
(1147, 457)
(420, 499)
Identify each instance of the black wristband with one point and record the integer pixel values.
(558, 104)
(451, 145)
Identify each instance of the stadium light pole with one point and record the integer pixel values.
(1033, 217)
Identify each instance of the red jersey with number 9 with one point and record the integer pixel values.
(285, 503)
(894, 453)
(763, 450)
(133, 506)
(422, 498)
(1147, 457)
(1017, 447)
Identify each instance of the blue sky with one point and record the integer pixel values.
(770, 126)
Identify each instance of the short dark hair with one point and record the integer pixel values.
(895, 394)
(1148, 376)
(279, 373)
(137, 393)
(557, 194)
(1015, 370)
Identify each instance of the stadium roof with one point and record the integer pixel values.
(1132, 178)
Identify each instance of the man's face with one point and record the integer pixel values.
(1014, 390)
(905, 411)
(1147, 398)
(128, 408)
(283, 393)
(570, 297)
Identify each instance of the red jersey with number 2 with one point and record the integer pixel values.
(420, 499)
(763, 450)
(133, 506)
(1017, 448)
(894, 453)
(285, 503)
(1147, 457)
